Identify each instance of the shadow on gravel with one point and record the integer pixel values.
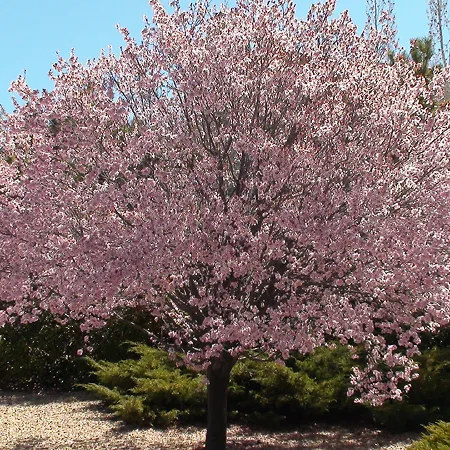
(44, 397)
(29, 444)
(39, 444)
(319, 438)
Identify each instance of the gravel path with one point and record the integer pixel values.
(76, 422)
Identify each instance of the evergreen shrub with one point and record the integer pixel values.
(307, 388)
(437, 437)
(145, 386)
(43, 354)
(311, 387)
(263, 393)
(150, 390)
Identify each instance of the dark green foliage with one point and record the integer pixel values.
(148, 388)
(401, 416)
(440, 340)
(151, 390)
(437, 437)
(40, 354)
(312, 387)
(433, 386)
(421, 53)
(43, 354)
(331, 367)
(267, 393)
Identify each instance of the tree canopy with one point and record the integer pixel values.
(253, 180)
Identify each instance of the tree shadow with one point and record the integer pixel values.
(44, 397)
(316, 437)
(76, 444)
(31, 443)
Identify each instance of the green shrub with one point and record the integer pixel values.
(311, 387)
(437, 437)
(150, 390)
(40, 354)
(400, 416)
(264, 393)
(120, 375)
(130, 409)
(43, 354)
(307, 388)
(433, 385)
(109, 396)
(330, 368)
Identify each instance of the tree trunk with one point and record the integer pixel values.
(218, 375)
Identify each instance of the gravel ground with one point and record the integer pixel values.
(76, 422)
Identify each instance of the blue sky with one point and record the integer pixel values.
(32, 31)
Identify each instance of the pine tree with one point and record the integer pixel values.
(422, 52)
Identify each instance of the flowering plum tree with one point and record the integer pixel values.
(253, 180)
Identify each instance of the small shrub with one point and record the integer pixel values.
(311, 387)
(400, 416)
(130, 409)
(433, 385)
(308, 387)
(330, 368)
(264, 393)
(30, 357)
(150, 390)
(437, 437)
(120, 375)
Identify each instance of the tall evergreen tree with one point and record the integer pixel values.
(421, 52)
